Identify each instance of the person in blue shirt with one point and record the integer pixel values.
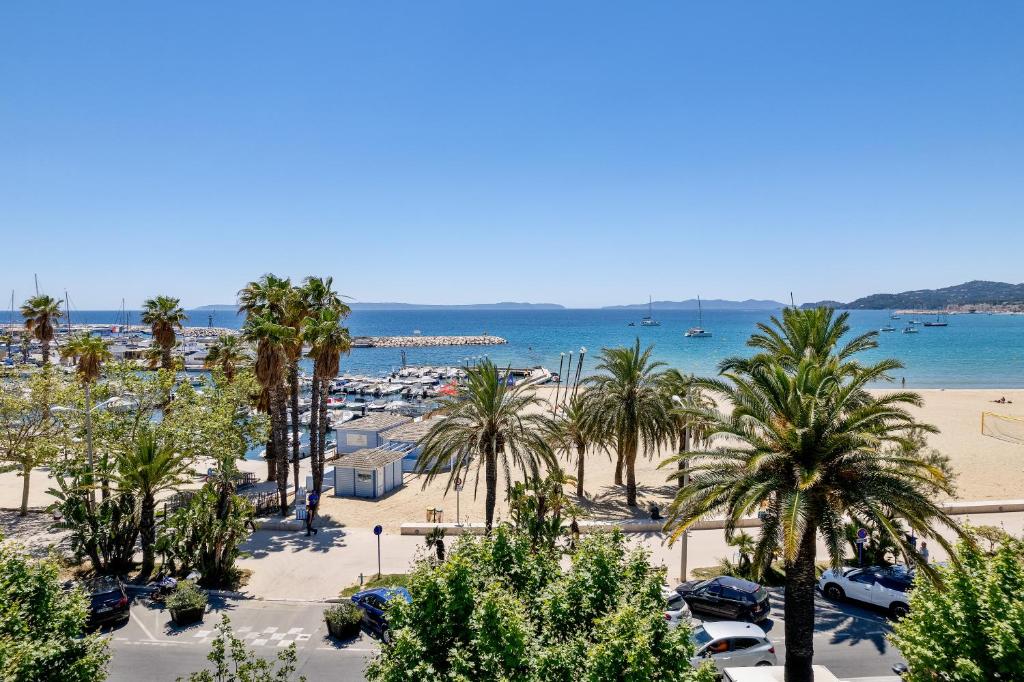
(312, 501)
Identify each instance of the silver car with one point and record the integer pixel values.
(677, 611)
(731, 644)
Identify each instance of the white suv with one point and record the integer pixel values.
(886, 587)
(730, 644)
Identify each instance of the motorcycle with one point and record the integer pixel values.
(163, 586)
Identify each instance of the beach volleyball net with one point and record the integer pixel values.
(1003, 427)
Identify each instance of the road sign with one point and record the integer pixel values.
(378, 529)
(862, 536)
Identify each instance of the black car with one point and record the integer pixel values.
(108, 602)
(727, 597)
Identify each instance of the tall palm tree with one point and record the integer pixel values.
(631, 405)
(295, 311)
(89, 353)
(229, 355)
(327, 340)
(687, 397)
(40, 312)
(147, 470)
(502, 426)
(164, 314)
(805, 444)
(574, 431)
(272, 341)
(267, 298)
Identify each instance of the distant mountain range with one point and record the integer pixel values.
(709, 304)
(366, 305)
(977, 292)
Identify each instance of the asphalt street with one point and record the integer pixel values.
(850, 640)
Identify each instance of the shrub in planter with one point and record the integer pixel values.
(343, 620)
(187, 603)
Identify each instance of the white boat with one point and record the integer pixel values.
(888, 328)
(649, 321)
(698, 332)
(910, 330)
(893, 316)
(377, 405)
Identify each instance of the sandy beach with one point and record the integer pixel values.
(988, 469)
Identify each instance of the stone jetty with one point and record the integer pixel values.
(425, 341)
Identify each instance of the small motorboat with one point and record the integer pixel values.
(888, 328)
(910, 330)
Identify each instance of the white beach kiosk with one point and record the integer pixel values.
(408, 436)
(365, 432)
(368, 473)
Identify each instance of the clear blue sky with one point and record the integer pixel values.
(581, 153)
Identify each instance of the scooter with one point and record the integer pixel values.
(163, 586)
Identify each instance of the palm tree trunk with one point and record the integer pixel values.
(685, 447)
(618, 468)
(491, 478)
(88, 445)
(800, 610)
(26, 471)
(281, 446)
(580, 451)
(630, 461)
(271, 454)
(324, 424)
(293, 389)
(314, 431)
(165, 357)
(147, 533)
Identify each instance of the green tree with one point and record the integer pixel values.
(40, 313)
(150, 469)
(806, 445)
(229, 355)
(41, 624)
(537, 507)
(574, 431)
(327, 341)
(497, 608)
(631, 407)
(30, 436)
(263, 303)
(233, 662)
(970, 628)
(164, 315)
(503, 426)
(89, 353)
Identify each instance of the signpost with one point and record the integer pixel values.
(458, 489)
(862, 537)
(377, 530)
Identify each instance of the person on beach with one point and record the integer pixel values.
(312, 500)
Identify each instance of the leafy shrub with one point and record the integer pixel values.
(186, 596)
(343, 619)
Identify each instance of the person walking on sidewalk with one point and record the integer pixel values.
(312, 501)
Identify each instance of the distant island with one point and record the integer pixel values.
(367, 305)
(709, 304)
(979, 295)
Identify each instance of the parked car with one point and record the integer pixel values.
(373, 604)
(883, 586)
(108, 601)
(730, 644)
(676, 610)
(727, 597)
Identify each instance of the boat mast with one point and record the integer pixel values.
(700, 313)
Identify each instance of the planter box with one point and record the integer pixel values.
(347, 631)
(188, 616)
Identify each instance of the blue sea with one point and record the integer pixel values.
(974, 351)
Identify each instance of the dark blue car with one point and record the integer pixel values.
(373, 604)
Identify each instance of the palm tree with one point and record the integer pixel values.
(806, 445)
(7, 339)
(89, 352)
(327, 340)
(147, 470)
(574, 431)
(267, 297)
(500, 424)
(295, 311)
(630, 406)
(272, 342)
(40, 312)
(228, 354)
(163, 314)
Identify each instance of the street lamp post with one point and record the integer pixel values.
(684, 480)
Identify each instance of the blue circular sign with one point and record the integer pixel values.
(378, 529)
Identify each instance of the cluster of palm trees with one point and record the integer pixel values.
(790, 434)
(281, 321)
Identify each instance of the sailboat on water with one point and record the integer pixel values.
(649, 321)
(940, 321)
(698, 332)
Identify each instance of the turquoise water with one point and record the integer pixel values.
(973, 351)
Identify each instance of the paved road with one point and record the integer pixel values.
(850, 640)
